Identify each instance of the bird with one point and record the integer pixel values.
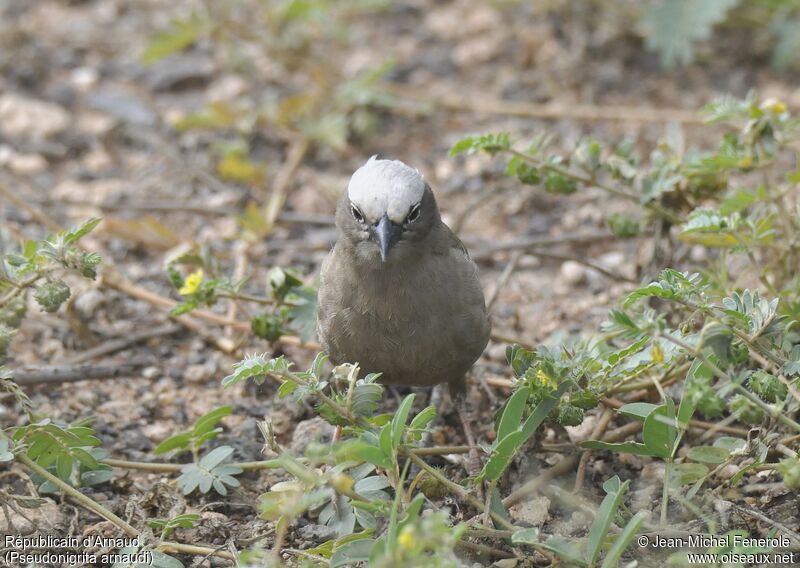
(399, 293)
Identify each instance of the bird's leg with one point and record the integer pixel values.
(436, 400)
(474, 463)
(458, 394)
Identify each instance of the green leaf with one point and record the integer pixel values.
(398, 424)
(425, 417)
(624, 539)
(708, 454)
(6, 455)
(64, 463)
(385, 439)
(489, 143)
(216, 457)
(361, 450)
(178, 441)
(255, 366)
(502, 455)
(352, 552)
(606, 513)
(659, 432)
(688, 473)
(160, 560)
(675, 25)
(181, 35)
(733, 445)
(566, 550)
(84, 229)
(525, 536)
(637, 410)
(543, 409)
(303, 312)
(512, 413)
(366, 398)
(208, 421)
(96, 477)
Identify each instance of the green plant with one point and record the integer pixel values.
(41, 266)
(734, 200)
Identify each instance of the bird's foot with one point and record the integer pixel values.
(473, 463)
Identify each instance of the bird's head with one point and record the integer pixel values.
(387, 211)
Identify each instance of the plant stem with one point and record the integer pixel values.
(19, 287)
(589, 181)
(459, 491)
(82, 499)
(665, 492)
(169, 546)
(723, 375)
(245, 297)
(95, 507)
(440, 450)
(155, 467)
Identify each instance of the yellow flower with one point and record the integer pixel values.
(746, 162)
(656, 353)
(192, 283)
(406, 537)
(545, 380)
(774, 105)
(342, 483)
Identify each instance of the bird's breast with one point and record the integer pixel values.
(419, 324)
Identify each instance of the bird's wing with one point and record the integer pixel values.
(454, 242)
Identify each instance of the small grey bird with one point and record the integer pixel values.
(399, 293)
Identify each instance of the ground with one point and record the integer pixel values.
(87, 129)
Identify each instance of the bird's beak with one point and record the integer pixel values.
(387, 234)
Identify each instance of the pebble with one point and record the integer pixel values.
(533, 512)
(123, 106)
(308, 431)
(151, 373)
(573, 272)
(196, 374)
(316, 534)
(88, 302)
(47, 516)
(30, 119)
(27, 164)
(84, 78)
(178, 72)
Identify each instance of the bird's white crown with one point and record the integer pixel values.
(385, 186)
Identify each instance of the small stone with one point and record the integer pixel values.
(698, 253)
(309, 431)
(316, 534)
(197, 374)
(179, 72)
(30, 119)
(45, 517)
(226, 88)
(83, 78)
(157, 432)
(573, 272)
(533, 512)
(88, 302)
(614, 260)
(583, 431)
(27, 164)
(151, 373)
(728, 471)
(122, 106)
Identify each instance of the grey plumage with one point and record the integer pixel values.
(398, 293)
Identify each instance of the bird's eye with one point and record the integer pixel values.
(413, 215)
(357, 215)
